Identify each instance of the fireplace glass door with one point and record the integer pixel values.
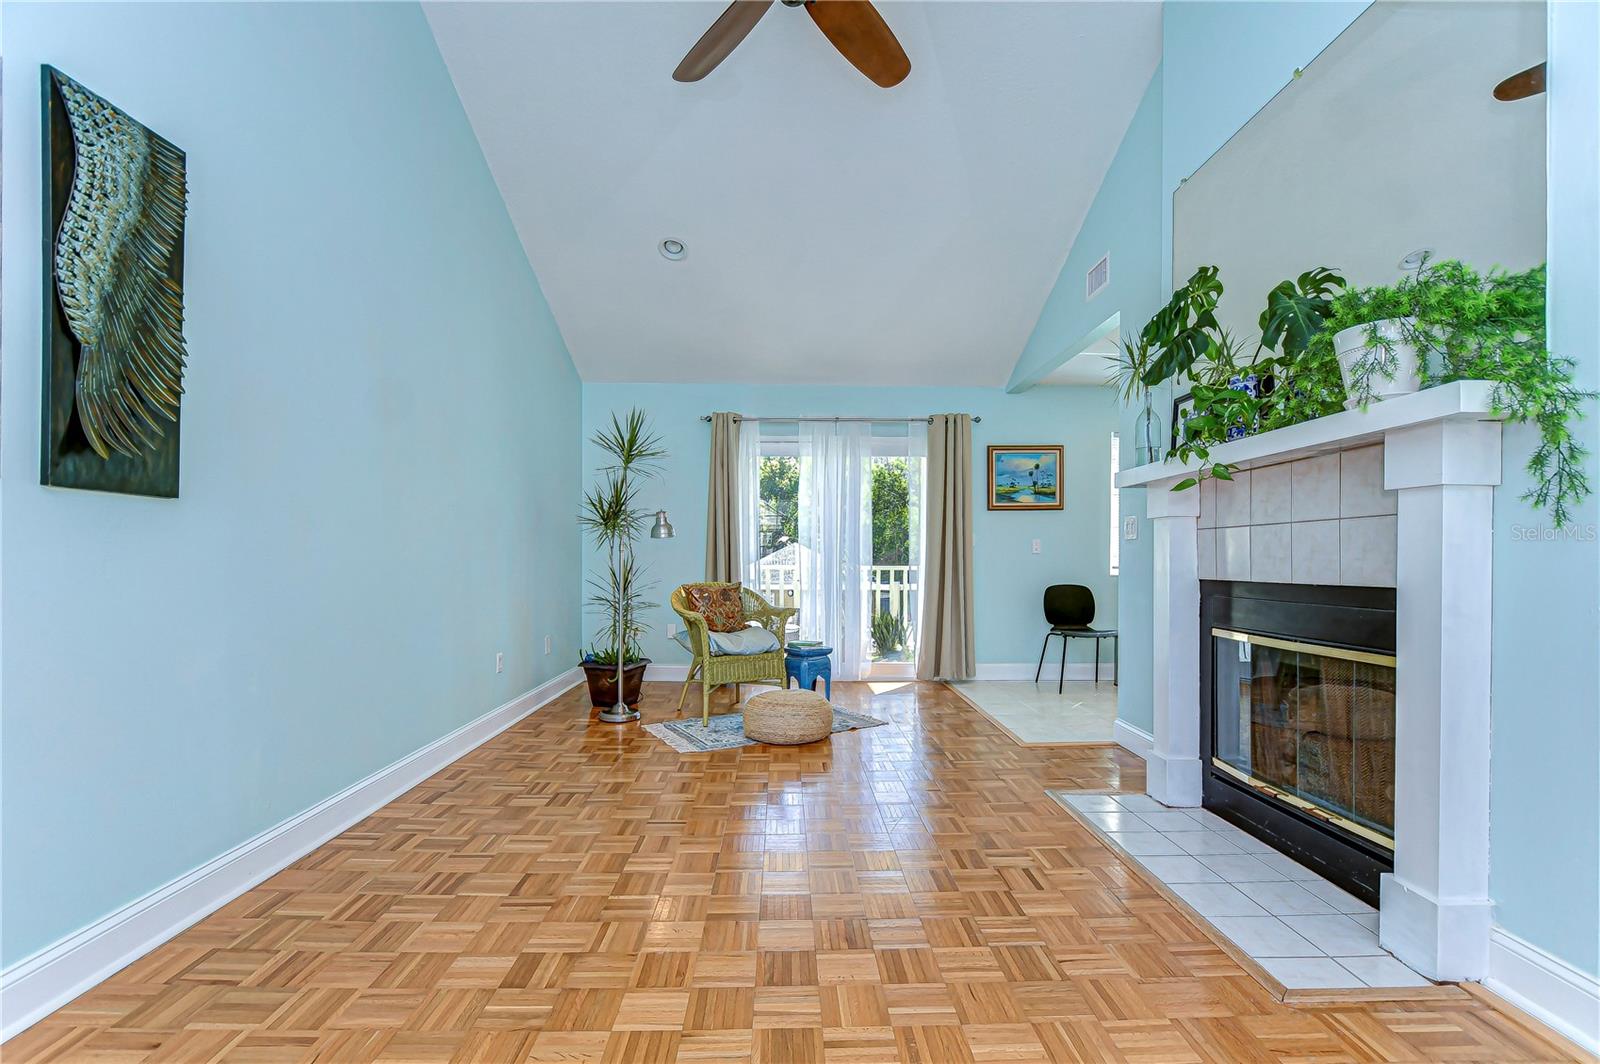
(1308, 725)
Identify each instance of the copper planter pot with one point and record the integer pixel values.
(603, 683)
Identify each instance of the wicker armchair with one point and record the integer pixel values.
(715, 670)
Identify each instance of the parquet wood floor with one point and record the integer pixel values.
(571, 892)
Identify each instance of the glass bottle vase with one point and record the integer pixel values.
(1148, 445)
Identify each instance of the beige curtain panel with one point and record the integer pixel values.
(946, 644)
(722, 502)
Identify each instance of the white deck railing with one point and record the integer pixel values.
(892, 589)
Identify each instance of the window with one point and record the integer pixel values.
(870, 476)
(1116, 514)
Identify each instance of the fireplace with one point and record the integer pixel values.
(1297, 687)
(1441, 459)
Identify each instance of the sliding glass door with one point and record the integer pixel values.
(840, 537)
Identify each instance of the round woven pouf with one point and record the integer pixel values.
(787, 718)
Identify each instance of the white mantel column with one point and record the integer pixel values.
(1173, 768)
(1435, 909)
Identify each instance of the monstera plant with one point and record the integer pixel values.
(1185, 330)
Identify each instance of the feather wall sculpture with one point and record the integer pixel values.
(118, 283)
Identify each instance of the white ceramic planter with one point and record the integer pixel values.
(1350, 345)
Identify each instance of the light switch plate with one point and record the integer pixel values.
(1036, 546)
(1130, 528)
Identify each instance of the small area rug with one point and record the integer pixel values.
(727, 731)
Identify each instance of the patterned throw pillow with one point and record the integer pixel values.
(720, 606)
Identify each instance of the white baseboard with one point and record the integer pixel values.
(37, 985)
(1134, 740)
(1023, 670)
(1546, 987)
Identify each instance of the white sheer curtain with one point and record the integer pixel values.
(750, 504)
(836, 540)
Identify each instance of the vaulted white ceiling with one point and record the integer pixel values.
(836, 232)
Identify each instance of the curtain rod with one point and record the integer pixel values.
(742, 417)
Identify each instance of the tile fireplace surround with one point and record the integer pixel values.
(1440, 459)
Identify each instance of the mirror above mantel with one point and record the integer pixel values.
(1390, 142)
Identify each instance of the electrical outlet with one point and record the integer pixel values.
(548, 643)
(1130, 528)
(499, 663)
(672, 629)
(1036, 546)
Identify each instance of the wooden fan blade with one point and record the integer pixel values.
(731, 27)
(1529, 82)
(861, 35)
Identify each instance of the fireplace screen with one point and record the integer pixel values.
(1309, 725)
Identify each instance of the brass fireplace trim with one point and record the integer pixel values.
(1310, 808)
(1364, 656)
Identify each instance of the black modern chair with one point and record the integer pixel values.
(1069, 610)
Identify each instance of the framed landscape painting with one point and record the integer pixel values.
(1025, 477)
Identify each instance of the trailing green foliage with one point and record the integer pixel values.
(1218, 407)
(1471, 326)
(612, 517)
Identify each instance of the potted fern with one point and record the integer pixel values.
(614, 520)
(1464, 325)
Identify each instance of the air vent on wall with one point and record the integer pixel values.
(1098, 277)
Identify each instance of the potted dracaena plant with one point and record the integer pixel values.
(614, 520)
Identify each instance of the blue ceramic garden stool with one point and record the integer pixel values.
(806, 665)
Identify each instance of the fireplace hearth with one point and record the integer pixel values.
(1298, 726)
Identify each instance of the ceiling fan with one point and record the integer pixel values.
(853, 26)
(1521, 85)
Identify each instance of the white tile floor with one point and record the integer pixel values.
(1308, 933)
(1033, 713)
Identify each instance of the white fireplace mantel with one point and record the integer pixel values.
(1457, 401)
(1442, 459)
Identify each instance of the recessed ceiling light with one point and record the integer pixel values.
(1417, 259)
(672, 249)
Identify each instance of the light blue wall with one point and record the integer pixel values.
(1125, 219)
(1545, 743)
(1545, 769)
(380, 453)
(1009, 578)
(1221, 63)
